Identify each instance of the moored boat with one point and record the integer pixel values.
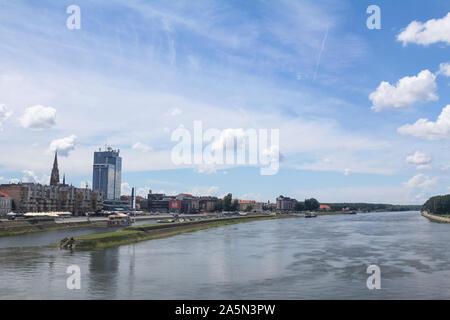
(119, 220)
(310, 215)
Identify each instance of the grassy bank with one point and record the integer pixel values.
(149, 232)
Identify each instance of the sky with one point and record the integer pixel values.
(363, 114)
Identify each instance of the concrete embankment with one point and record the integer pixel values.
(17, 227)
(435, 218)
(148, 232)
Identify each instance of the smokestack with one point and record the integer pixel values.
(133, 199)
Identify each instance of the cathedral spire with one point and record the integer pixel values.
(54, 178)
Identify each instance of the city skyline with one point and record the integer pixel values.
(323, 84)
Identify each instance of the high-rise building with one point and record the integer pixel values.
(54, 178)
(107, 173)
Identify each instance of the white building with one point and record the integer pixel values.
(5, 204)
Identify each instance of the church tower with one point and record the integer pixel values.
(54, 178)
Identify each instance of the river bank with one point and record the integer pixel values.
(19, 227)
(435, 218)
(149, 232)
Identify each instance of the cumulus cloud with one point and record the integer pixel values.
(38, 117)
(432, 31)
(64, 145)
(141, 147)
(4, 115)
(444, 69)
(30, 176)
(421, 181)
(347, 172)
(430, 130)
(421, 159)
(406, 92)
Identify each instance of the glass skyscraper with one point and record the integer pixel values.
(107, 175)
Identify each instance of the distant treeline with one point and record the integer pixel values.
(373, 207)
(438, 205)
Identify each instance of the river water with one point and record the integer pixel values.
(320, 258)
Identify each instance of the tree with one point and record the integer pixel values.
(299, 206)
(248, 208)
(219, 205)
(311, 204)
(438, 205)
(227, 205)
(235, 206)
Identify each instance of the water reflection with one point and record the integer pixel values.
(103, 273)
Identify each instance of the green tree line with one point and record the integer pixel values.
(438, 205)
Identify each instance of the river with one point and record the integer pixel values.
(320, 258)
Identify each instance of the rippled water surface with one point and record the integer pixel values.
(320, 258)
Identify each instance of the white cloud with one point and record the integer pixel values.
(421, 181)
(125, 189)
(64, 145)
(406, 92)
(142, 147)
(430, 130)
(432, 31)
(444, 68)
(231, 139)
(142, 192)
(422, 160)
(14, 180)
(30, 176)
(39, 117)
(347, 172)
(4, 115)
(204, 191)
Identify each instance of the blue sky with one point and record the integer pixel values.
(137, 70)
